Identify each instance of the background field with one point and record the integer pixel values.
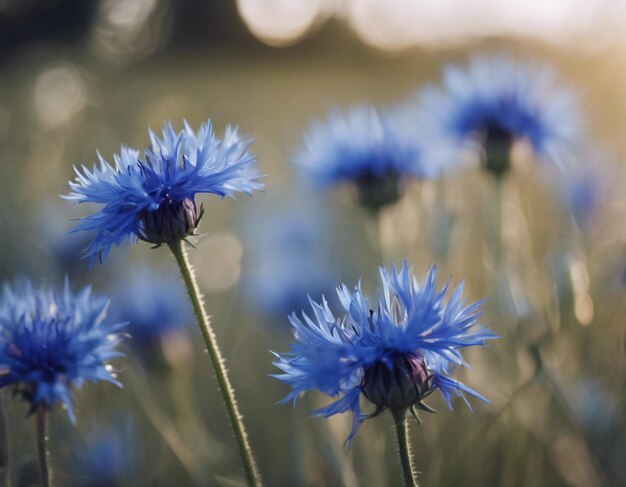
(71, 83)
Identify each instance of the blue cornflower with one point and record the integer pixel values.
(595, 407)
(152, 196)
(497, 101)
(51, 342)
(62, 251)
(153, 306)
(394, 356)
(585, 190)
(292, 252)
(111, 456)
(376, 153)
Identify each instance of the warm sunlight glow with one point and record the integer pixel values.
(279, 22)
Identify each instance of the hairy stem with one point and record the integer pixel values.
(42, 446)
(404, 448)
(236, 420)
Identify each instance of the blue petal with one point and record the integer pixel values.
(177, 166)
(52, 342)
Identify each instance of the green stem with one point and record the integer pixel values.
(503, 293)
(5, 450)
(404, 448)
(180, 253)
(42, 446)
(497, 230)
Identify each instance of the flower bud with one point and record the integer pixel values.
(398, 386)
(170, 222)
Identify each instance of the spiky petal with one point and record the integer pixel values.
(414, 333)
(51, 342)
(151, 195)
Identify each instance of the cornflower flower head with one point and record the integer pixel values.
(585, 191)
(53, 341)
(111, 456)
(394, 356)
(152, 305)
(151, 196)
(61, 250)
(497, 101)
(158, 313)
(373, 152)
(595, 407)
(292, 246)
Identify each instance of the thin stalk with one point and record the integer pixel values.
(441, 223)
(5, 450)
(404, 448)
(236, 420)
(503, 291)
(497, 224)
(42, 446)
(163, 425)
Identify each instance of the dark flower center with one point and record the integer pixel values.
(170, 222)
(497, 145)
(398, 386)
(377, 190)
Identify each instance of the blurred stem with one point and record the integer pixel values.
(219, 366)
(42, 446)
(498, 245)
(441, 219)
(162, 424)
(404, 448)
(5, 461)
(503, 291)
(371, 225)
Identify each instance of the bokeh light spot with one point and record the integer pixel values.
(279, 22)
(59, 95)
(219, 262)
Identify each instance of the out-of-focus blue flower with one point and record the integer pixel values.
(594, 406)
(394, 355)
(65, 250)
(291, 254)
(61, 252)
(110, 457)
(374, 152)
(278, 284)
(152, 197)
(496, 101)
(153, 306)
(51, 342)
(584, 191)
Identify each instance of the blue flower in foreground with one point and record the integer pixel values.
(395, 355)
(153, 306)
(51, 342)
(497, 101)
(151, 196)
(374, 152)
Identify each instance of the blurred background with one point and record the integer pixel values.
(81, 75)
